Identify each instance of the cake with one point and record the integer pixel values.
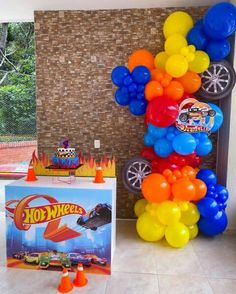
(65, 157)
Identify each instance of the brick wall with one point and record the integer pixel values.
(76, 51)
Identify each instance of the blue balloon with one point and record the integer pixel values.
(207, 176)
(201, 136)
(214, 226)
(171, 129)
(197, 37)
(141, 88)
(208, 207)
(199, 24)
(137, 107)
(220, 20)
(127, 80)
(148, 140)
(218, 50)
(133, 95)
(170, 136)
(163, 147)
(140, 96)
(204, 147)
(211, 194)
(141, 75)
(211, 188)
(156, 132)
(222, 206)
(133, 87)
(222, 193)
(184, 144)
(121, 97)
(118, 75)
(218, 118)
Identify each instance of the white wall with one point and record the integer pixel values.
(23, 10)
(231, 170)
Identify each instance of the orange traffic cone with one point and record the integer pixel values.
(65, 285)
(99, 176)
(31, 177)
(80, 279)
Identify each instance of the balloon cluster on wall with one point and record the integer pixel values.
(213, 218)
(167, 209)
(179, 198)
(210, 34)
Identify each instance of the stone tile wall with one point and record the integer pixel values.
(76, 52)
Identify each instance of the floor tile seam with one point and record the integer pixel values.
(183, 274)
(136, 273)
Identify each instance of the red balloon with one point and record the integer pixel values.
(162, 112)
(177, 159)
(158, 166)
(197, 161)
(149, 153)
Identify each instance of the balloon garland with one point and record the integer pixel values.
(179, 198)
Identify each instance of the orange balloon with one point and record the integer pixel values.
(200, 188)
(189, 171)
(177, 173)
(174, 90)
(160, 75)
(141, 57)
(171, 179)
(157, 74)
(155, 188)
(191, 82)
(183, 190)
(167, 172)
(153, 89)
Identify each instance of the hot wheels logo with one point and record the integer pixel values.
(24, 216)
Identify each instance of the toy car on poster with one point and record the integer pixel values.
(19, 255)
(32, 258)
(76, 258)
(100, 215)
(96, 260)
(54, 259)
(195, 116)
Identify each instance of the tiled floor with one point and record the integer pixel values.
(204, 266)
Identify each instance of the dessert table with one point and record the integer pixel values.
(74, 221)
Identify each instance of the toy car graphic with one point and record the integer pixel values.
(54, 260)
(96, 260)
(76, 258)
(196, 112)
(19, 255)
(97, 217)
(32, 258)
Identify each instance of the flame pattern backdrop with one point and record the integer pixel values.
(75, 54)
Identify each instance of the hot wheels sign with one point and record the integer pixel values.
(24, 216)
(195, 116)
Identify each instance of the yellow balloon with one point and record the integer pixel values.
(178, 22)
(176, 65)
(160, 59)
(139, 207)
(177, 235)
(149, 228)
(151, 208)
(191, 215)
(193, 231)
(200, 63)
(183, 205)
(168, 213)
(174, 44)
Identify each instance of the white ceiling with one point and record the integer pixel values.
(23, 10)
